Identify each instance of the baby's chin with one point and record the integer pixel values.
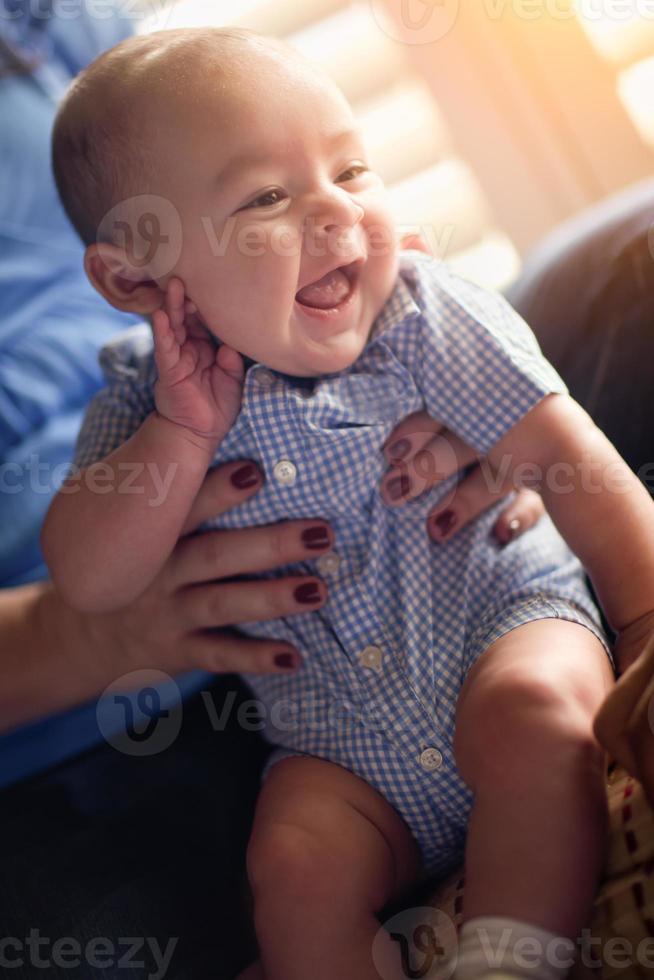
(325, 360)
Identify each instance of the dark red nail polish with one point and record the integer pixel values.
(315, 538)
(286, 660)
(445, 522)
(245, 477)
(307, 594)
(398, 487)
(399, 449)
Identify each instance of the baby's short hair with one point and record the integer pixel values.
(100, 152)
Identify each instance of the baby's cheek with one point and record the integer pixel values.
(252, 242)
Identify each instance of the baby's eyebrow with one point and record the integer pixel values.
(237, 164)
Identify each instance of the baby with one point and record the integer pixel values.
(446, 695)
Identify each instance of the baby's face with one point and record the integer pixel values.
(271, 184)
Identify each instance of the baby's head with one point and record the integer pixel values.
(228, 160)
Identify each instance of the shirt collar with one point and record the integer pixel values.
(400, 304)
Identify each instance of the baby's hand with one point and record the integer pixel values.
(198, 387)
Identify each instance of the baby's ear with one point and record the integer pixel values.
(123, 282)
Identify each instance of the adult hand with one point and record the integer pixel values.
(182, 621)
(625, 722)
(54, 657)
(422, 453)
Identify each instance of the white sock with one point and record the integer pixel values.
(492, 944)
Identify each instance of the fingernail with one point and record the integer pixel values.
(445, 522)
(286, 660)
(245, 477)
(315, 538)
(398, 487)
(307, 594)
(399, 449)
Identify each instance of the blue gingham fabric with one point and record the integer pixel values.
(386, 656)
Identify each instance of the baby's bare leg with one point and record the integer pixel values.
(327, 851)
(524, 744)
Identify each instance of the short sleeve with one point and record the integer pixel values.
(478, 365)
(122, 406)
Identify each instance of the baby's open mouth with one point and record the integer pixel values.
(330, 291)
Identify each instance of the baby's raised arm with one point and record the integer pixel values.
(598, 504)
(105, 538)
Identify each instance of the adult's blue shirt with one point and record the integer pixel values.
(52, 324)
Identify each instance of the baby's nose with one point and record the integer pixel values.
(340, 211)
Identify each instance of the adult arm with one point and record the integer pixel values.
(54, 657)
(102, 542)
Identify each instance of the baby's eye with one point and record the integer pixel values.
(273, 196)
(354, 171)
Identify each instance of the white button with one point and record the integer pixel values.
(285, 472)
(371, 657)
(328, 563)
(264, 378)
(431, 759)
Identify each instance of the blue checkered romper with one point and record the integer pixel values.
(386, 656)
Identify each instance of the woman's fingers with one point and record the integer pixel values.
(223, 488)
(472, 497)
(521, 514)
(229, 652)
(413, 432)
(429, 459)
(221, 604)
(246, 551)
